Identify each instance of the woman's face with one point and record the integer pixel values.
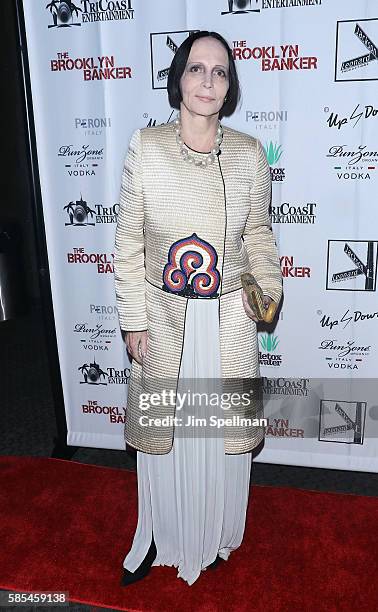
(205, 80)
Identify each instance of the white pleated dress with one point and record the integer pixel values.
(194, 498)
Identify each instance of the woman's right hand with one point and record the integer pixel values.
(136, 344)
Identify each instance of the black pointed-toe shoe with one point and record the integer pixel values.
(143, 569)
(216, 562)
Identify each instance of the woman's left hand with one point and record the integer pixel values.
(249, 312)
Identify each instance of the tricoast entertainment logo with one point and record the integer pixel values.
(80, 214)
(246, 7)
(285, 386)
(293, 213)
(66, 14)
(241, 7)
(93, 374)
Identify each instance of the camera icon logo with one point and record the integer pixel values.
(62, 13)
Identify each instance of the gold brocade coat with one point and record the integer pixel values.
(185, 231)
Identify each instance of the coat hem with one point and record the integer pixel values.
(142, 449)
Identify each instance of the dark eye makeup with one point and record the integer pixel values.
(200, 66)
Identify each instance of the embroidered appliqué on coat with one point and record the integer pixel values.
(191, 269)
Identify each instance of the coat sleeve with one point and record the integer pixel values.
(258, 236)
(129, 264)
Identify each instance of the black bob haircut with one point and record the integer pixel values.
(178, 66)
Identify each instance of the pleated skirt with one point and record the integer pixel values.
(194, 498)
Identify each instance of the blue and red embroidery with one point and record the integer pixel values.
(191, 269)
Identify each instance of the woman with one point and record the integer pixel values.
(193, 217)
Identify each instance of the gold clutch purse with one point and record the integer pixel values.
(255, 298)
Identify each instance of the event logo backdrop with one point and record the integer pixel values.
(308, 72)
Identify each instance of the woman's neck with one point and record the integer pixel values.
(197, 131)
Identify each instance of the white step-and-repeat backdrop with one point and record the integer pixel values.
(309, 77)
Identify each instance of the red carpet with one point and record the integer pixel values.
(67, 526)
